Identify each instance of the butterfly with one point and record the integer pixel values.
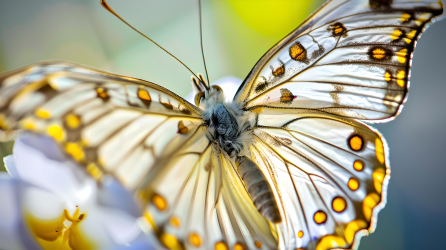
(289, 163)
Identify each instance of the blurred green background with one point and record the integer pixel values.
(236, 34)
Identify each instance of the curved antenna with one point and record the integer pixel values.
(107, 7)
(201, 42)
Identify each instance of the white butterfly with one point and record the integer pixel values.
(288, 164)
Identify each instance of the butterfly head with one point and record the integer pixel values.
(206, 96)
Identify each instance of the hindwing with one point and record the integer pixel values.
(198, 201)
(330, 177)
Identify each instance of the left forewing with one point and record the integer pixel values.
(109, 123)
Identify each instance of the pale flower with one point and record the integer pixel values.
(50, 202)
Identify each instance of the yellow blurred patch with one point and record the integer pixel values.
(271, 18)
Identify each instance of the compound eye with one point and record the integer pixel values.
(198, 97)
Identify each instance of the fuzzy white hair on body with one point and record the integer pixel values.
(227, 123)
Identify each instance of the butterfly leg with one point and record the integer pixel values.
(259, 189)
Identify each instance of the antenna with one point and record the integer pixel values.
(201, 41)
(107, 7)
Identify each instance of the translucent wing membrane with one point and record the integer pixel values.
(352, 58)
(330, 176)
(110, 123)
(199, 202)
(148, 138)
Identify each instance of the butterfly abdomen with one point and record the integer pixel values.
(258, 187)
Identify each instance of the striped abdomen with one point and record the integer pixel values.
(258, 187)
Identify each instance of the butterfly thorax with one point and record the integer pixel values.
(227, 123)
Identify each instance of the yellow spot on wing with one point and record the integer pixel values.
(378, 53)
(286, 95)
(167, 105)
(102, 93)
(387, 76)
(406, 17)
(159, 202)
(73, 121)
(150, 220)
(358, 165)
(401, 55)
(368, 204)
(239, 246)
(221, 246)
(356, 142)
(195, 240)
(28, 124)
(396, 34)
(175, 221)
(329, 242)
(353, 184)
(298, 52)
(279, 70)
(3, 122)
(378, 178)
(400, 78)
(379, 150)
(169, 241)
(75, 151)
(337, 29)
(320, 217)
(339, 204)
(258, 244)
(94, 171)
(300, 234)
(411, 35)
(353, 227)
(181, 128)
(56, 131)
(144, 95)
(424, 17)
(42, 113)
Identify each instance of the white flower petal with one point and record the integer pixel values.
(10, 166)
(42, 204)
(58, 183)
(44, 144)
(93, 229)
(34, 165)
(13, 234)
(122, 227)
(113, 194)
(144, 242)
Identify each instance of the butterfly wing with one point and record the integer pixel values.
(109, 123)
(204, 205)
(351, 58)
(150, 139)
(330, 177)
